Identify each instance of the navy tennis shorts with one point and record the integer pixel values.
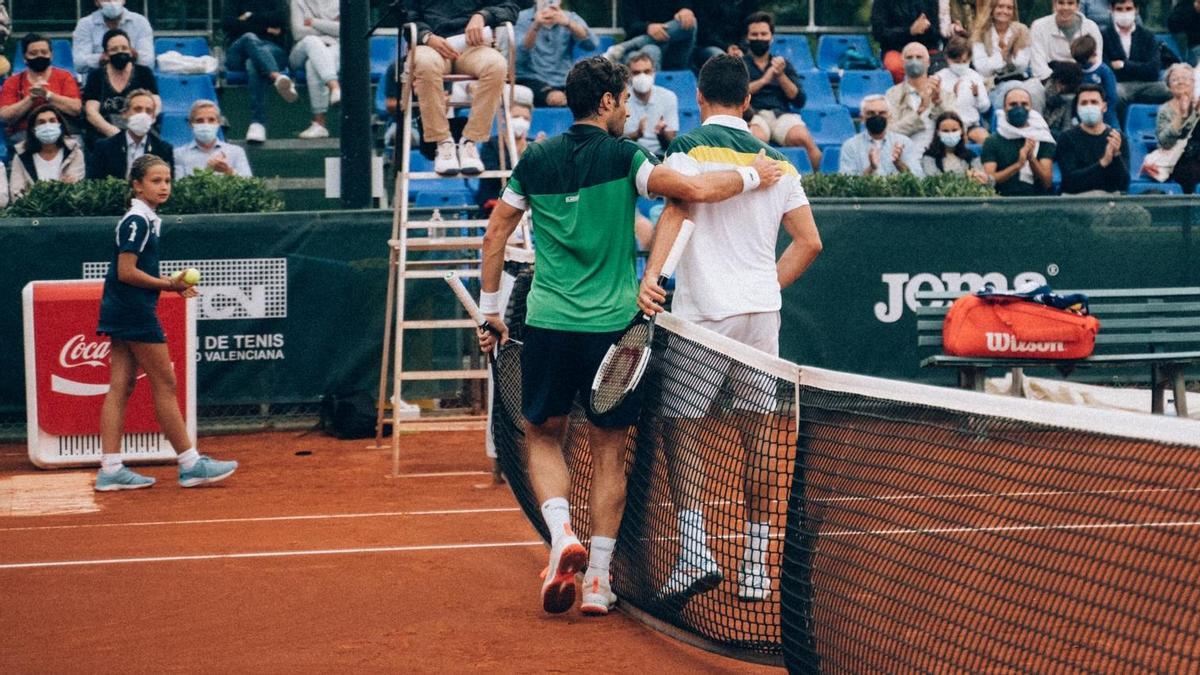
(558, 365)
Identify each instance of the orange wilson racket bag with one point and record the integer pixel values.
(1009, 326)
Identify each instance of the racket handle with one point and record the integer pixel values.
(468, 303)
(681, 242)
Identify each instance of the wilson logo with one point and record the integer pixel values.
(1007, 343)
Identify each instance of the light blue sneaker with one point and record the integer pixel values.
(206, 470)
(125, 479)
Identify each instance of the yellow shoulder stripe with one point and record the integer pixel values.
(709, 153)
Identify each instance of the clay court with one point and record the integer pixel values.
(299, 562)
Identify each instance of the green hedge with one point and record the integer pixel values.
(202, 192)
(897, 185)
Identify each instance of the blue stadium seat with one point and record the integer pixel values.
(689, 118)
(795, 49)
(236, 78)
(179, 91)
(383, 52)
(1150, 187)
(799, 159)
(682, 82)
(858, 84)
(1140, 120)
(829, 125)
(829, 160)
(817, 90)
(1055, 179)
(831, 47)
(644, 205)
(1169, 40)
(553, 121)
(1137, 154)
(60, 56)
(381, 102)
(188, 46)
(604, 42)
(442, 194)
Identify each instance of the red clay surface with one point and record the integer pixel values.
(412, 608)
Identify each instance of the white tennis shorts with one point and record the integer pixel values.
(691, 382)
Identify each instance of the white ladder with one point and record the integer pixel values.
(464, 238)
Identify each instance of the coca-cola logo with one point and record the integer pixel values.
(79, 352)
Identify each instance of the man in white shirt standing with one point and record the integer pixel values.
(208, 151)
(728, 281)
(1051, 36)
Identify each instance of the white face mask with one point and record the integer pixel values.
(48, 132)
(642, 83)
(112, 10)
(205, 133)
(950, 139)
(1124, 19)
(520, 127)
(960, 69)
(140, 123)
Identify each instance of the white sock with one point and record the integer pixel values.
(600, 557)
(694, 540)
(557, 514)
(758, 538)
(110, 463)
(188, 459)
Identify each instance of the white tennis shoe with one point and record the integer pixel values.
(753, 583)
(567, 558)
(688, 579)
(598, 597)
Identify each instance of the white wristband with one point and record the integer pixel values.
(489, 303)
(750, 178)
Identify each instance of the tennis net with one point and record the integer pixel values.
(897, 526)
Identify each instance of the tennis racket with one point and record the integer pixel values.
(505, 358)
(625, 363)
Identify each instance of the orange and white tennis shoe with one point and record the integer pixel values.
(568, 557)
(598, 597)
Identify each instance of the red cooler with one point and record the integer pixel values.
(67, 375)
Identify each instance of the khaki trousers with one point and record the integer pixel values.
(484, 63)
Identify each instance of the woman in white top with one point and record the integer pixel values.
(315, 28)
(1000, 46)
(47, 153)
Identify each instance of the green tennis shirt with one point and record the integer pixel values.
(582, 188)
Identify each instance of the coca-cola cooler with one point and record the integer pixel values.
(67, 376)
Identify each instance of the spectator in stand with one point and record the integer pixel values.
(1095, 71)
(207, 151)
(916, 101)
(948, 151)
(48, 153)
(114, 155)
(1177, 120)
(257, 40)
(775, 91)
(1000, 52)
(39, 84)
(546, 39)
(87, 42)
(896, 23)
(1093, 157)
(1065, 78)
(964, 90)
(719, 28)
(315, 28)
(5, 31)
(666, 31)
(521, 113)
(653, 118)
(1019, 156)
(956, 18)
(1051, 36)
(876, 151)
(434, 56)
(107, 86)
(1134, 56)
(1185, 18)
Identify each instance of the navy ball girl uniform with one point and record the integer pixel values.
(129, 312)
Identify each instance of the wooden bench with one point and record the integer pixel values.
(1155, 327)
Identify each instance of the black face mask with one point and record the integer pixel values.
(876, 125)
(759, 47)
(38, 64)
(120, 60)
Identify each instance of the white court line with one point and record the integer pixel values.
(1011, 528)
(440, 474)
(264, 519)
(267, 554)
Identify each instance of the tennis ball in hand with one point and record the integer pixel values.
(190, 276)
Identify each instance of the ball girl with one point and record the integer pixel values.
(128, 317)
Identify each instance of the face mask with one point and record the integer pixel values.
(38, 64)
(48, 133)
(950, 139)
(139, 123)
(1124, 19)
(112, 10)
(520, 127)
(120, 60)
(205, 133)
(642, 83)
(1090, 114)
(960, 69)
(915, 67)
(875, 125)
(759, 47)
(1017, 116)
